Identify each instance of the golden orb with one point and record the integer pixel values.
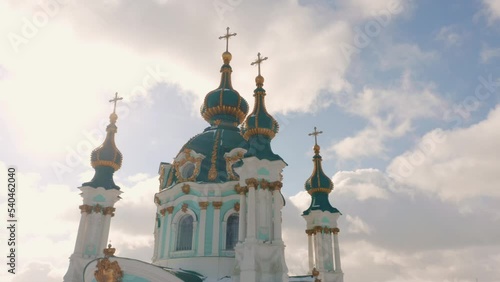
(316, 149)
(113, 117)
(259, 80)
(226, 57)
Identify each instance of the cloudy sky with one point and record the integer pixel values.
(406, 92)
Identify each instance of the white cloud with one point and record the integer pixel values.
(492, 10)
(460, 164)
(488, 54)
(450, 36)
(363, 184)
(357, 225)
(390, 112)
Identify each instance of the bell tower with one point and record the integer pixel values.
(321, 217)
(99, 196)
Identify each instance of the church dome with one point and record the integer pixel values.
(224, 104)
(108, 154)
(213, 144)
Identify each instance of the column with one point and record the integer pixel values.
(216, 232)
(201, 234)
(167, 228)
(310, 249)
(278, 203)
(242, 219)
(329, 249)
(82, 228)
(338, 268)
(320, 262)
(251, 228)
(107, 213)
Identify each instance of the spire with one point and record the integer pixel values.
(106, 159)
(319, 185)
(260, 122)
(224, 105)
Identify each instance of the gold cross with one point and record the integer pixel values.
(258, 61)
(114, 100)
(315, 133)
(227, 36)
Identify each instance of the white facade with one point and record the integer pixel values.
(93, 231)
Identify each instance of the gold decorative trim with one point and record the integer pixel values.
(237, 207)
(264, 184)
(240, 189)
(203, 205)
(85, 208)
(315, 272)
(109, 211)
(315, 190)
(108, 271)
(157, 200)
(217, 205)
(310, 232)
(178, 165)
(184, 207)
(163, 211)
(208, 113)
(186, 188)
(335, 230)
(212, 173)
(256, 131)
(229, 165)
(276, 185)
(112, 164)
(252, 182)
(170, 209)
(97, 208)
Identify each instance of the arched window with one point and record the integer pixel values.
(185, 233)
(187, 170)
(232, 231)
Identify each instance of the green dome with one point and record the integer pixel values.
(213, 143)
(319, 185)
(224, 104)
(318, 181)
(106, 159)
(260, 122)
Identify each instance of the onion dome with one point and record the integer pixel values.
(260, 122)
(106, 159)
(260, 127)
(319, 185)
(224, 104)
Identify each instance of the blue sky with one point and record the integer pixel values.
(406, 93)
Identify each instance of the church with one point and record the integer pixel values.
(219, 204)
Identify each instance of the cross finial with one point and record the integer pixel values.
(227, 36)
(258, 61)
(315, 133)
(114, 100)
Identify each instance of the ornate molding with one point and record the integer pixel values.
(240, 189)
(264, 184)
(109, 211)
(85, 208)
(187, 158)
(97, 208)
(252, 182)
(276, 185)
(335, 230)
(203, 205)
(316, 190)
(108, 271)
(163, 211)
(237, 207)
(217, 205)
(229, 165)
(170, 209)
(310, 232)
(157, 200)
(184, 207)
(186, 188)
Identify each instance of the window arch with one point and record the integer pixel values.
(185, 233)
(232, 231)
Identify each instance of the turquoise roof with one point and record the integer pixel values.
(319, 185)
(260, 122)
(224, 104)
(106, 159)
(213, 143)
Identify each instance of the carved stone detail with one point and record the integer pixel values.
(217, 205)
